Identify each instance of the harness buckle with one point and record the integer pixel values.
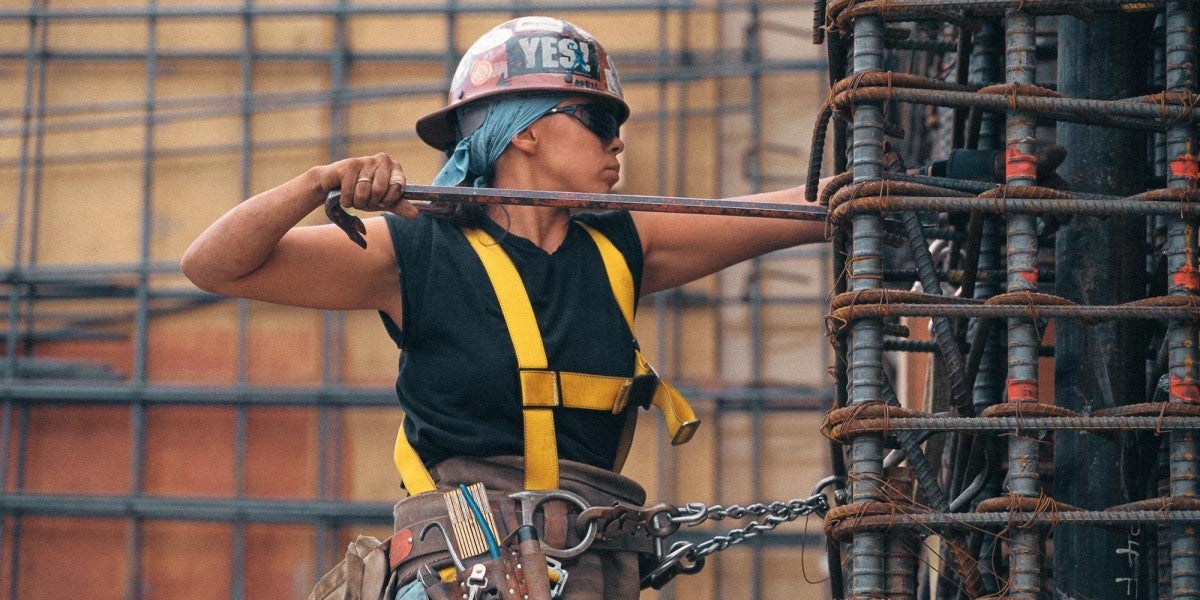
(639, 390)
(685, 432)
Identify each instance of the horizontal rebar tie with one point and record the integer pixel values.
(876, 303)
(840, 13)
(881, 516)
(842, 424)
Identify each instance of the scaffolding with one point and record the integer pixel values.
(162, 441)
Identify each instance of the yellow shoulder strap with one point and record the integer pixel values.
(416, 477)
(541, 446)
(619, 277)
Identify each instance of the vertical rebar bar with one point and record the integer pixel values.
(237, 575)
(985, 69)
(332, 322)
(902, 547)
(752, 53)
(666, 309)
(1025, 546)
(866, 336)
(988, 386)
(35, 45)
(1181, 268)
(719, 21)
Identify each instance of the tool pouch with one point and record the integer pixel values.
(502, 580)
(363, 575)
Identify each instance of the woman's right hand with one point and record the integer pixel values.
(368, 183)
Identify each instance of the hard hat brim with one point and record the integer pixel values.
(438, 127)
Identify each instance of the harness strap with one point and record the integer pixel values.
(413, 473)
(681, 421)
(542, 389)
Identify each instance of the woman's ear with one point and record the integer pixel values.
(526, 141)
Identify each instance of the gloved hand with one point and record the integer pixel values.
(988, 165)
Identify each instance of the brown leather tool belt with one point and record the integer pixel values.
(596, 511)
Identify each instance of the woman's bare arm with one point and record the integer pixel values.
(257, 251)
(682, 248)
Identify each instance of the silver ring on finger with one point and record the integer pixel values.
(362, 179)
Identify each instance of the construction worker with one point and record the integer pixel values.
(518, 367)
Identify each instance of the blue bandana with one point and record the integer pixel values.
(477, 153)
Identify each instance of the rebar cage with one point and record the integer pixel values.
(163, 442)
(1052, 452)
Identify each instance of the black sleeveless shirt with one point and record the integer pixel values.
(458, 380)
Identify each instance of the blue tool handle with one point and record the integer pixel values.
(493, 547)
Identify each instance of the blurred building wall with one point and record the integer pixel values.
(133, 404)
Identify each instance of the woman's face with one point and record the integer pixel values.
(570, 156)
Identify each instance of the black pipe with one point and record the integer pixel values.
(1099, 261)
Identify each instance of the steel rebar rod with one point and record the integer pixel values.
(1031, 423)
(943, 328)
(1000, 206)
(1015, 519)
(292, 10)
(1184, 281)
(1025, 545)
(867, 552)
(583, 200)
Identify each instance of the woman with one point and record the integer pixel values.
(535, 104)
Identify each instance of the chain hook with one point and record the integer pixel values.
(839, 493)
(691, 514)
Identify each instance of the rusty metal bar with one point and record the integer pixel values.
(1184, 282)
(865, 469)
(583, 200)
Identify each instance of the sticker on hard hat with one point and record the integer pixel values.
(614, 82)
(551, 54)
(535, 23)
(480, 72)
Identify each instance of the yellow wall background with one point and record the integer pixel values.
(80, 210)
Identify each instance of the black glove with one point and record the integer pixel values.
(988, 165)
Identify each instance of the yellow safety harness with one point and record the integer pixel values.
(543, 390)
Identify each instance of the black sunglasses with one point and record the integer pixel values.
(598, 118)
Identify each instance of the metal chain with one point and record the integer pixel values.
(776, 514)
(686, 557)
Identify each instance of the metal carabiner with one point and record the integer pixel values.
(530, 501)
(819, 488)
(658, 513)
(839, 494)
(671, 566)
(476, 581)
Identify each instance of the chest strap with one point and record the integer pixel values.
(543, 390)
